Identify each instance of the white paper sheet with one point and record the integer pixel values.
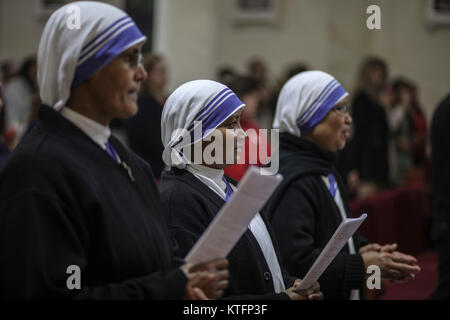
(232, 220)
(340, 237)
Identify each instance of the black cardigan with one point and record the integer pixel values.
(144, 132)
(440, 169)
(64, 201)
(304, 216)
(192, 206)
(367, 152)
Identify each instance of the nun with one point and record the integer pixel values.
(196, 116)
(314, 121)
(80, 214)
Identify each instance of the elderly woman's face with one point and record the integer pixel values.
(333, 131)
(115, 87)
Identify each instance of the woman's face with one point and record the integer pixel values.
(333, 131)
(377, 78)
(157, 77)
(251, 101)
(405, 96)
(115, 87)
(230, 130)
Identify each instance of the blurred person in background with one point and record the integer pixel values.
(259, 72)
(292, 70)
(401, 131)
(8, 71)
(4, 151)
(247, 89)
(144, 129)
(420, 130)
(408, 127)
(364, 162)
(21, 100)
(226, 75)
(440, 177)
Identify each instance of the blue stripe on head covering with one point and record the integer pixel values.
(320, 112)
(209, 106)
(83, 50)
(108, 33)
(323, 95)
(212, 103)
(107, 52)
(221, 110)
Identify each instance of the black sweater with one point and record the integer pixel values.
(440, 166)
(304, 216)
(64, 201)
(192, 206)
(367, 152)
(144, 132)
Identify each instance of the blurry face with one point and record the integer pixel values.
(32, 72)
(405, 96)
(259, 71)
(115, 87)
(1, 103)
(334, 130)
(377, 77)
(157, 78)
(251, 102)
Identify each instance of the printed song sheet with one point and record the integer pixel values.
(340, 237)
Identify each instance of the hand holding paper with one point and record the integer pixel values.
(345, 230)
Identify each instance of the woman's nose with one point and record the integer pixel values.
(141, 74)
(348, 118)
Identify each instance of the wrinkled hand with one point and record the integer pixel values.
(370, 247)
(207, 280)
(377, 247)
(312, 293)
(194, 294)
(395, 266)
(389, 248)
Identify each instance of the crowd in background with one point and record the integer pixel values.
(390, 131)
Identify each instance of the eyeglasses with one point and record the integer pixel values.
(134, 59)
(343, 109)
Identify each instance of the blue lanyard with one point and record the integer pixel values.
(333, 185)
(228, 191)
(112, 152)
(115, 156)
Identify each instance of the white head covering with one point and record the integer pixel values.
(305, 100)
(201, 100)
(67, 56)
